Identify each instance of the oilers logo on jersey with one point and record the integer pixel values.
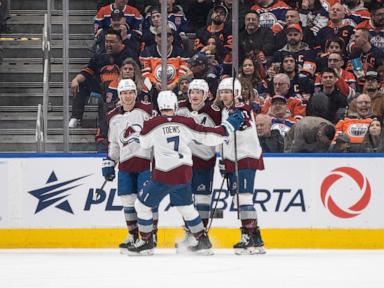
(171, 72)
(267, 19)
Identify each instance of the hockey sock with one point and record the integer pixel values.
(249, 225)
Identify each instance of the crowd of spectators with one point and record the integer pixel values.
(312, 70)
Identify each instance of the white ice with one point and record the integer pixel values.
(106, 268)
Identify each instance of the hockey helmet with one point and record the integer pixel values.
(126, 85)
(167, 100)
(227, 84)
(199, 84)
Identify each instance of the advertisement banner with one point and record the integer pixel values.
(292, 192)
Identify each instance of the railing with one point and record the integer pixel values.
(39, 131)
(46, 48)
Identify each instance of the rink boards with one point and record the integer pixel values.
(303, 201)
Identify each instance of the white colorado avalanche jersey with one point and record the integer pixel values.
(170, 138)
(204, 157)
(248, 146)
(123, 136)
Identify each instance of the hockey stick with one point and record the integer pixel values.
(217, 202)
(101, 189)
(235, 142)
(102, 186)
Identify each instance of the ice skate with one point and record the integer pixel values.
(141, 248)
(130, 240)
(155, 239)
(259, 243)
(203, 246)
(188, 241)
(246, 246)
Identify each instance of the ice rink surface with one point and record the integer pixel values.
(106, 268)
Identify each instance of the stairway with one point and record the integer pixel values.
(21, 75)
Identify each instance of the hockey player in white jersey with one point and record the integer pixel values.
(169, 136)
(204, 157)
(248, 153)
(125, 123)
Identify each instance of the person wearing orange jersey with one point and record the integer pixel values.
(355, 125)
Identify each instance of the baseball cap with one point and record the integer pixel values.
(278, 98)
(372, 74)
(117, 14)
(221, 7)
(198, 59)
(295, 27)
(309, 67)
(154, 10)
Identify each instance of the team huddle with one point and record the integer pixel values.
(174, 153)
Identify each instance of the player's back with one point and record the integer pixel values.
(169, 137)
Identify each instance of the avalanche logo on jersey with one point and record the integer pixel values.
(55, 193)
(130, 134)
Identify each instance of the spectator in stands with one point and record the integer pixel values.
(295, 46)
(371, 88)
(332, 45)
(270, 140)
(356, 11)
(346, 80)
(4, 15)
(355, 124)
(336, 101)
(177, 17)
(270, 11)
(279, 29)
(216, 28)
(309, 135)
(375, 25)
(182, 87)
(129, 70)
(150, 59)
(282, 120)
(214, 50)
(154, 22)
(373, 140)
(130, 38)
(250, 95)
(337, 26)
(133, 17)
(254, 72)
(313, 14)
(281, 84)
(203, 68)
(255, 39)
(98, 74)
(301, 85)
(365, 56)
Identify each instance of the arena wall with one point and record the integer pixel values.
(302, 200)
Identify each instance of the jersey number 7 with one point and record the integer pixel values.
(176, 140)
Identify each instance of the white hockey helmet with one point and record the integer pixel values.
(126, 85)
(199, 84)
(227, 84)
(167, 100)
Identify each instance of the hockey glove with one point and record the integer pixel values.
(108, 169)
(234, 121)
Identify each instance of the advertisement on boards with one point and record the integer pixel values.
(303, 192)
